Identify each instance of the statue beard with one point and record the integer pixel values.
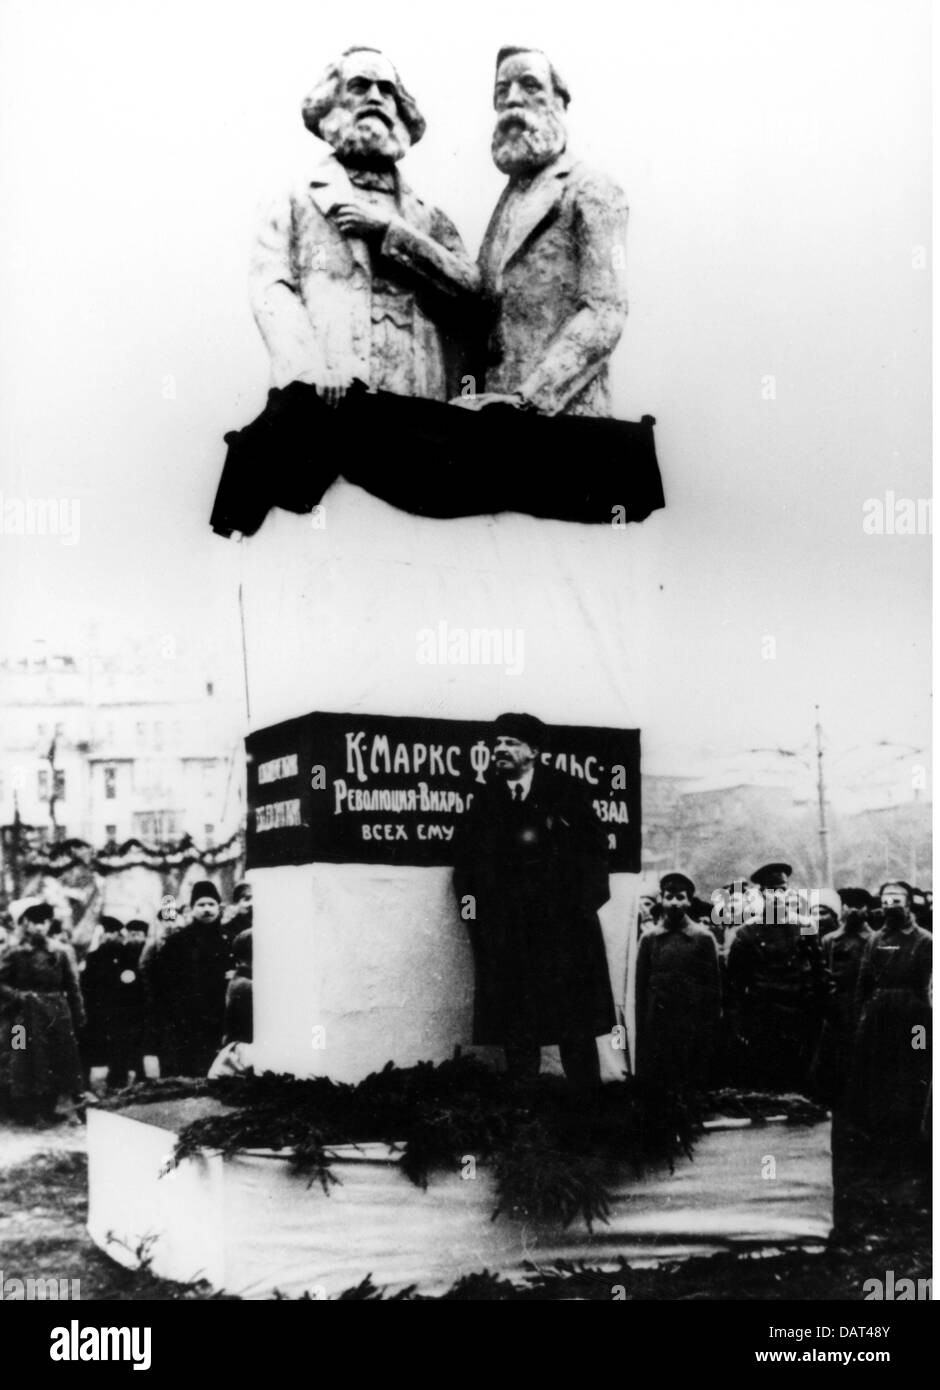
(524, 142)
(365, 140)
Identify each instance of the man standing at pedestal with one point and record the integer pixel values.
(353, 276)
(553, 258)
(531, 873)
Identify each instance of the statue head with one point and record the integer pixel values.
(361, 107)
(530, 100)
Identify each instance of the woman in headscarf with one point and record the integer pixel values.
(42, 1013)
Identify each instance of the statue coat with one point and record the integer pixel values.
(312, 289)
(553, 262)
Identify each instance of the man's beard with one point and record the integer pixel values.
(365, 141)
(524, 141)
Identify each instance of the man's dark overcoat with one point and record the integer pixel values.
(536, 872)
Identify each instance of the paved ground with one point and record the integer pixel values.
(20, 1142)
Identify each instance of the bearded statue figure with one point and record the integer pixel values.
(353, 277)
(553, 258)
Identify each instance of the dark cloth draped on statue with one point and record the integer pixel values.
(437, 460)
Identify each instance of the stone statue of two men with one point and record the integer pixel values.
(355, 277)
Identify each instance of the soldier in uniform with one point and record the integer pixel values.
(102, 1042)
(678, 994)
(843, 951)
(777, 991)
(532, 865)
(888, 1088)
(41, 1015)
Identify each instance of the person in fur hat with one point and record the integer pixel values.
(41, 1015)
(187, 976)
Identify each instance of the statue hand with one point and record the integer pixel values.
(332, 386)
(355, 219)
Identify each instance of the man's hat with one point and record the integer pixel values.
(897, 883)
(204, 889)
(524, 727)
(135, 924)
(111, 924)
(19, 906)
(676, 883)
(737, 885)
(37, 912)
(828, 897)
(855, 897)
(773, 875)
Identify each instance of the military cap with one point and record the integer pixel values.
(772, 875)
(677, 883)
(856, 897)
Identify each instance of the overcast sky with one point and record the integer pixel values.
(775, 155)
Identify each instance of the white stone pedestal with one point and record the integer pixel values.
(334, 605)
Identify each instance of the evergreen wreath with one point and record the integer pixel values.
(555, 1149)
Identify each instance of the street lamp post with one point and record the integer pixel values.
(821, 794)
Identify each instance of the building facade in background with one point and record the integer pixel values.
(106, 748)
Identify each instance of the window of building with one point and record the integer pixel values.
(59, 833)
(210, 836)
(110, 832)
(59, 784)
(110, 783)
(42, 784)
(155, 826)
(158, 735)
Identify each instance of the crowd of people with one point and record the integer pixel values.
(763, 987)
(771, 988)
(177, 990)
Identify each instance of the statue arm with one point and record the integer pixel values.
(276, 302)
(583, 344)
(438, 257)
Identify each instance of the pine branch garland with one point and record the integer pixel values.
(555, 1150)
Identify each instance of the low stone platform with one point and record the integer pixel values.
(250, 1226)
